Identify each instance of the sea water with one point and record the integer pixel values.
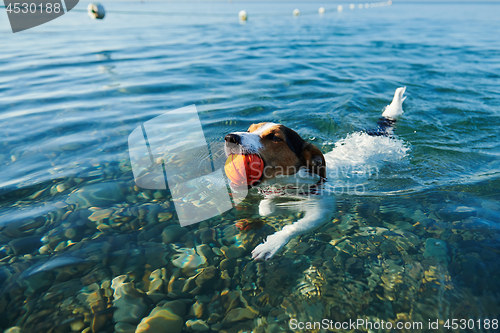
(414, 239)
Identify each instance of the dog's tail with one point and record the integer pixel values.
(391, 112)
(394, 110)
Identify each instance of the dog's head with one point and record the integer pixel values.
(283, 151)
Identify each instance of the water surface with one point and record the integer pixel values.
(420, 242)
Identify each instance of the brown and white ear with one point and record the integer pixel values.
(314, 160)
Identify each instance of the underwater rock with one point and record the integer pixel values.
(437, 249)
(25, 245)
(70, 233)
(97, 194)
(77, 325)
(217, 251)
(188, 258)
(206, 276)
(197, 309)
(94, 300)
(207, 252)
(175, 285)
(164, 217)
(123, 327)
(457, 213)
(233, 252)
(206, 235)
(106, 288)
(214, 318)
(197, 325)
(228, 264)
(230, 234)
(160, 320)
(311, 283)
(232, 299)
(238, 314)
(130, 303)
(190, 286)
(22, 225)
(178, 307)
(100, 214)
(172, 233)
(150, 233)
(156, 284)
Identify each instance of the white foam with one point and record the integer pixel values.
(359, 155)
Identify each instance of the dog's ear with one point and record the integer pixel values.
(314, 160)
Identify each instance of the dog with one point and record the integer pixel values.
(297, 169)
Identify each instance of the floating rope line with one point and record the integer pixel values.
(243, 15)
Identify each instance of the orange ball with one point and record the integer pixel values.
(243, 170)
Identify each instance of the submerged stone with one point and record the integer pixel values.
(160, 320)
(437, 249)
(25, 245)
(188, 258)
(98, 195)
(197, 325)
(172, 233)
(238, 314)
(130, 304)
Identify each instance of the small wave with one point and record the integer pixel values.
(360, 154)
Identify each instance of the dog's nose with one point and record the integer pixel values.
(233, 138)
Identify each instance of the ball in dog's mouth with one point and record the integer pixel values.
(244, 170)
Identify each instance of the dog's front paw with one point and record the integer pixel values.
(269, 248)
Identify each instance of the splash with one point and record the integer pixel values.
(359, 155)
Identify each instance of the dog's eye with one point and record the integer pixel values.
(274, 138)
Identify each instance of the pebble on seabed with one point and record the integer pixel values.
(96, 11)
(161, 319)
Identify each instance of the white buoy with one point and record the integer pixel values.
(352, 6)
(243, 15)
(340, 8)
(321, 10)
(96, 11)
(296, 12)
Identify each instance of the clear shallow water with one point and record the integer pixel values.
(72, 90)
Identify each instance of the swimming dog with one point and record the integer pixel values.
(296, 169)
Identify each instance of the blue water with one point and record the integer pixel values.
(73, 89)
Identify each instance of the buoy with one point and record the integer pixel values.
(296, 12)
(243, 15)
(321, 10)
(340, 8)
(96, 11)
(352, 6)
